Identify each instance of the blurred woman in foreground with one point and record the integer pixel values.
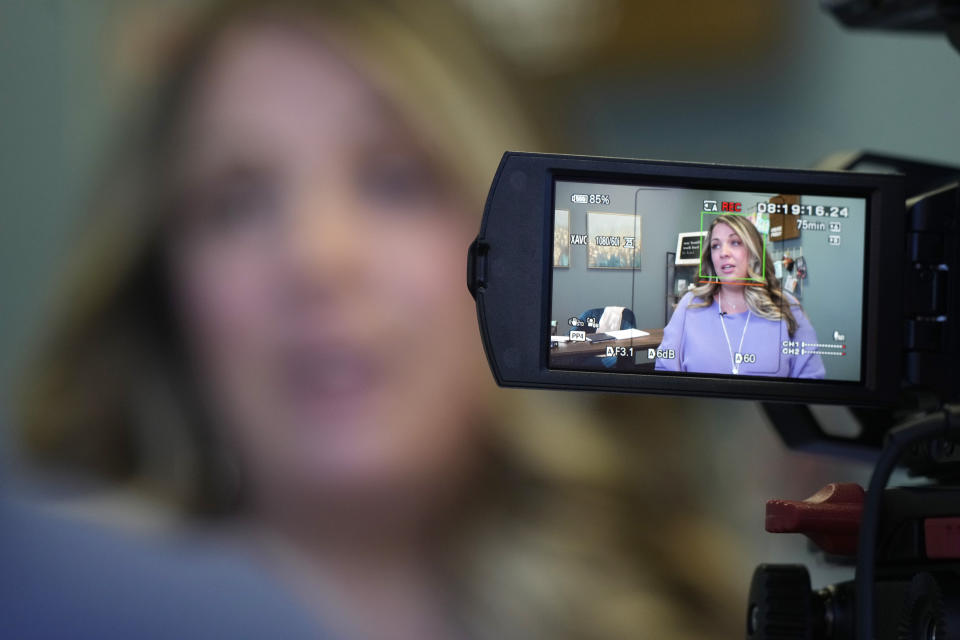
(270, 316)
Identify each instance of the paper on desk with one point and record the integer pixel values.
(624, 334)
(559, 338)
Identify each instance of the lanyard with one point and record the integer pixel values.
(735, 366)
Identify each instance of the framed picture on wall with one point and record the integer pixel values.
(689, 247)
(561, 239)
(614, 240)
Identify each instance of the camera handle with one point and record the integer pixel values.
(895, 15)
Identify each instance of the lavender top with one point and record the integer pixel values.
(697, 340)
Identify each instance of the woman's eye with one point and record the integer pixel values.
(240, 203)
(398, 183)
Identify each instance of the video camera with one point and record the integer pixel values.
(791, 287)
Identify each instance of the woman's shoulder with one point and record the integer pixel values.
(690, 299)
(691, 303)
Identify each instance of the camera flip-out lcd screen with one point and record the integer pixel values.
(641, 276)
(649, 279)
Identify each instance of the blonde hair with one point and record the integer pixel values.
(551, 544)
(761, 289)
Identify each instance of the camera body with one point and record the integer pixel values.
(896, 244)
(637, 214)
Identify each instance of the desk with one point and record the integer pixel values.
(567, 351)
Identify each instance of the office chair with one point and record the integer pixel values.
(627, 321)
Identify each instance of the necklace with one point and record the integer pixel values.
(733, 306)
(735, 360)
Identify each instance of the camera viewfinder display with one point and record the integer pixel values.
(730, 283)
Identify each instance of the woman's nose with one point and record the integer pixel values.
(322, 233)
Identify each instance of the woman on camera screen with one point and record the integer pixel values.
(737, 320)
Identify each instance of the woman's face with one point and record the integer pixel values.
(318, 264)
(728, 253)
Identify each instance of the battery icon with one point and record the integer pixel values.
(579, 198)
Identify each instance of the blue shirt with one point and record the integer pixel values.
(61, 578)
(696, 337)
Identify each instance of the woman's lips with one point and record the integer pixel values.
(327, 377)
(727, 269)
